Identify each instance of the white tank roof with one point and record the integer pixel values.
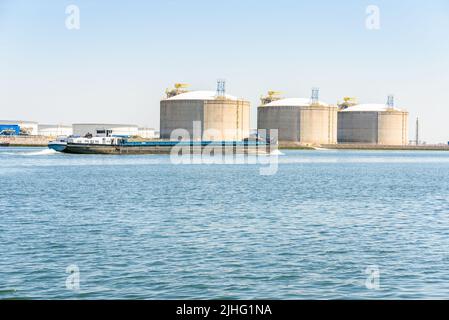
(199, 95)
(373, 107)
(293, 102)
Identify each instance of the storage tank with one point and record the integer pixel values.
(300, 120)
(219, 116)
(94, 129)
(373, 124)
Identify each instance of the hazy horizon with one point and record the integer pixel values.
(116, 67)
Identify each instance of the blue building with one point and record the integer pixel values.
(9, 129)
(27, 128)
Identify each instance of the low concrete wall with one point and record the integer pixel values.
(31, 141)
(353, 146)
(296, 145)
(360, 146)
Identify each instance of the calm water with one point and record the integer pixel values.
(138, 227)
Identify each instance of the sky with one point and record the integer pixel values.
(116, 66)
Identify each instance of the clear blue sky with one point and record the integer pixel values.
(118, 65)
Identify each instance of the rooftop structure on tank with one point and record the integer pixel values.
(347, 102)
(177, 89)
(270, 97)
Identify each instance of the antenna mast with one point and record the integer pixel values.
(390, 101)
(314, 99)
(417, 131)
(221, 88)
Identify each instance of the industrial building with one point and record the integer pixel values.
(381, 124)
(28, 128)
(83, 129)
(306, 121)
(220, 116)
(54, 130)
(146, 133)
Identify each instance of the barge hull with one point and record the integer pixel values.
(136, 150)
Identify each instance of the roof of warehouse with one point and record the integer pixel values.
(199, 95)
(49, 126)
(371, 107)
(293, 102)
(106, 124)
(16, 122)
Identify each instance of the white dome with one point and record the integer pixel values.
(373, 107)
(293, 102)
(199, 95)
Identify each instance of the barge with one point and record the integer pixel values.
(119, 145)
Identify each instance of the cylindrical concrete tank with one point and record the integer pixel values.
(373, 124)
(298, 120)
(217, 117)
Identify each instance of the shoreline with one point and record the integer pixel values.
(25, 146)
(372, 148)
(42, 142)
(24, 141)
(361, 146)
(388, 148)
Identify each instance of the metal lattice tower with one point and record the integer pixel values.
(221, 87)
(417, 131)
(314, 99)
(390, 101)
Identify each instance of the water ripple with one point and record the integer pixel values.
(140, 228)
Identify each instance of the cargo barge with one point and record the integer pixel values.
(117, 145)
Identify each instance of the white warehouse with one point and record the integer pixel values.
(83, 129)
(147, 133)
(54, 130)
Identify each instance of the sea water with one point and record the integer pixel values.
(328, 225)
